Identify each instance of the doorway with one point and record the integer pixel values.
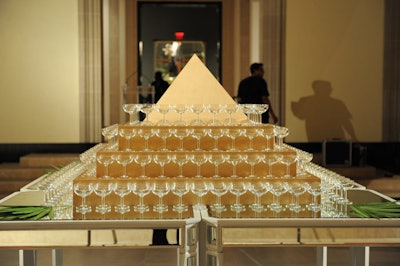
(158, 22)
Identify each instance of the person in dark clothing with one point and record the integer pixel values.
(160, 86)
(254, 89)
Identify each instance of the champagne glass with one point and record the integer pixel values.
(248, 109)
(233, 133)
(146, 134)
(258, 189)
(181, 159)
(234, 159)
(143, 160)
(132, 110)
(198, 133)
(280, 134)
(164, 134)
(181, 134)
(83, 190)
(215, 133)
(252, 159)
(164, 109)
(251, 133)
(199, 188)
(198, 109)
(199, 159)
(219, 188)
(162, 159)
(160, 189)
(238, 188)
(259, 109)
(278, 189)
(124, 160)
(141, 188)
(271, 160)
(302, 159)
(146, 109)
(215, 109)
(217, 159)
(295, 189)
(110, 133)
(288, 160)
(314, 189)
(103, 189)
(122, 189)
(267, 137)
(127, 134)
(106, 160)
(180, 188)
(231, 109)
(180, 109)
(345, 185)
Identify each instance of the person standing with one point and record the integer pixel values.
(160, 86)
(254, 89)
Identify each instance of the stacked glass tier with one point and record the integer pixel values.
(150, 170)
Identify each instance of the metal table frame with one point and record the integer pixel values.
(187, 247)
(216, 241)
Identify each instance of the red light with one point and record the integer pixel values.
(179, 35)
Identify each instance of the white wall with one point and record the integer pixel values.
(39, 96)
(339, 41)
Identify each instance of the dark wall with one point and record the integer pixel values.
(200, 22)
(12, 152)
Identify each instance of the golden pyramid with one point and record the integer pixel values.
(195, 84)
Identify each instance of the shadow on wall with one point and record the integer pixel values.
(325, 117)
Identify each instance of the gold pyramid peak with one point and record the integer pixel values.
(195, 84)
